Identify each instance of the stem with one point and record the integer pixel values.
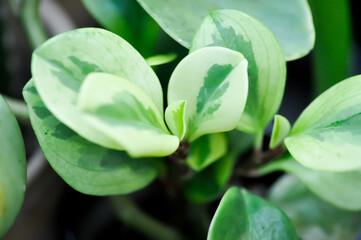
(32, 23)
(132, 216)
(258, 141)
(19, 109)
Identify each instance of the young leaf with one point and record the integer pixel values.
(175, 118)
(61, 64)
(266, 63)
(312, 217)
(206, 150)
(292, 24)
(161, 59)
(214, 83)
(241, 215)
(208, 184)
(87, 167)
(281, 128)
(342, 189)
(327, 135)
(12, 168)
(123, 111)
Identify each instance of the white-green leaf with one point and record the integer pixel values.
(12, 168)
(61, 64)
(313, 217)
(175, 118)
(290, 21)
(206, 150)
(244, 216)
(281, 128)
(123, 112)
(342, 189)
(214, 83)
(85, 166)
(327, 135)
(161, 59)
(266, 63)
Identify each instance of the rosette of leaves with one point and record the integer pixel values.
(12, 168)
(97, 109)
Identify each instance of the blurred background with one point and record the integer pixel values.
(53, 210)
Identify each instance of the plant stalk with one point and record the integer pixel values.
(132, 216)
(32, 24)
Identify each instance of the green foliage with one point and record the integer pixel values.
(329, 128)
(128, 20)
(12, 168)
(332, 53)
(210, 183)
(206, 150)
(87, 167)
(292, 24)
(241, 215)
(312, 217)
(342, 189)
(266, 64)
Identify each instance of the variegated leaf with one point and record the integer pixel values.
(214, 83)
(61, 64)
(266, 62)
(124, 113)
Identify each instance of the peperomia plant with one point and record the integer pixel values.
(97, 108)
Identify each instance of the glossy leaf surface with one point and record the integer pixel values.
(209, 183)
(266, 63)
(281, 128)
(241, 215)
(12, 168)
(330, 129)
(206, 150)
(61, 64)
(342, 189)
(292, 24)
(87, 167)
(212, 80)
(313, 217)
(123, 111)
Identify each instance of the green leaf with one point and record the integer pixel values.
(266, 63)
(330, 129)
(175, 118)
(12, 168)
(331, 56)
(241, 215)
(281, 128)
(61, 64)
(206, 150)
(128, 20)
(212, 80)
(239, 143)
(292, 24)
(123, 112)
(87, 167)
(208, 184)
(312, 217)
(161, 59)
(341, 189)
